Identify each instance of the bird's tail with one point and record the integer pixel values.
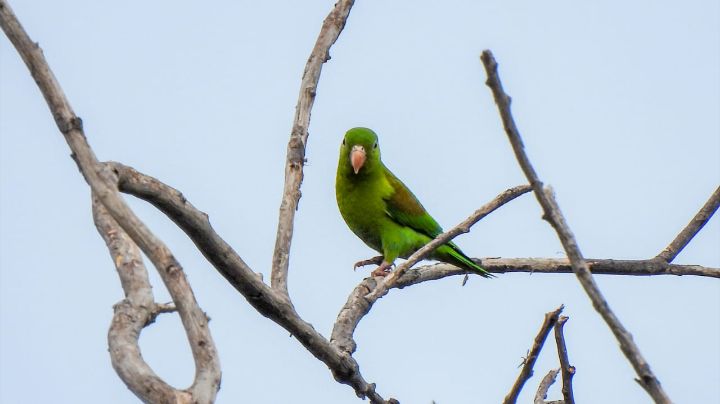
(458, 258)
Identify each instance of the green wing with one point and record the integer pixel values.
(404, 208)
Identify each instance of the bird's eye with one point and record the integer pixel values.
(375, 145)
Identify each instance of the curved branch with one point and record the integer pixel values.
(197, 226)
(266, 300)
(554, 216)
(207, 366)
(272, 305)
(331, 28)
(695, 225)
(132, 314)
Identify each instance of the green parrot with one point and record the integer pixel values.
(382, 211)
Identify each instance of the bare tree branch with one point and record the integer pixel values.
(527, 366)
(496, 265)
(124, 233)
(272, 305)
(362, 297)
(195, 224)
(264, 299)
(687, 234)
(207, 376)
(132, 314)
(331, 28)
(553, 215)
(365, 294)
(358, 303)
(544, 386)
(463, 227)
(568, 371)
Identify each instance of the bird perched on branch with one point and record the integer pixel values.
(382, 211)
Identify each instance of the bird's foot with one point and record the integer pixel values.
(371, 261)
(383, 269)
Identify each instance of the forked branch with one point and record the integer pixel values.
(553, 215)
(568, 371)
(369, 290)
(193, 319)
(132, 314)
(528, 362)
(124, 233)
(648, 267)
(263, 298)
(542, 391)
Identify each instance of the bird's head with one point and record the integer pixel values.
(360, 148)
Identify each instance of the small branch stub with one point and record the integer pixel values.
(544, 386)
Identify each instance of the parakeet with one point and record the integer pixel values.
(382, 211)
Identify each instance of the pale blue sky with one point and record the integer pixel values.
(618, 105)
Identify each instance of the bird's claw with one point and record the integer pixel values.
(371, 261)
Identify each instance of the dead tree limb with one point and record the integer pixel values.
(207, 367)
(275, 306)
(463, 227)
(527, 365)
(124, 233)
(568, 371)
(649, 267)
(555, 217)
(331, 28)
(266, 300)
(132, 314)
(195, 223)
(547, 381)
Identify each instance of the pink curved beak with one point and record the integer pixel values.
(357, 157)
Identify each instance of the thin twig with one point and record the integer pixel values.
(553, 215)
(544, 386)
(207, 365)
(331, 28)
(463, 227)
(568, 371)
(687, 234)
(527, 366)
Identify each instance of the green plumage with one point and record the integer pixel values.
(382, 211)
